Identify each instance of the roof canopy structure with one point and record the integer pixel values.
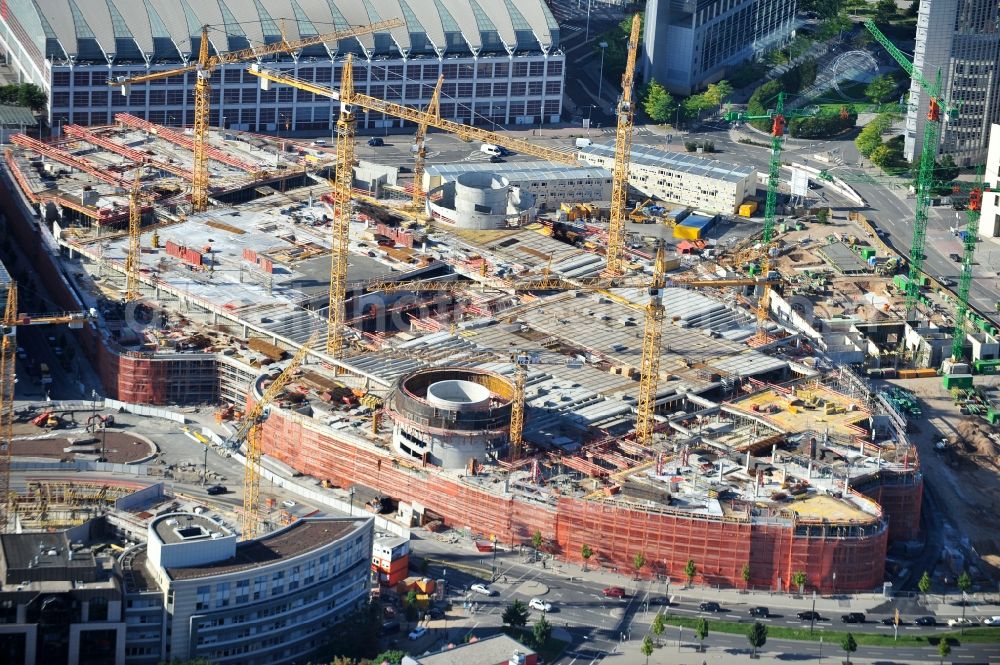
(156, 31)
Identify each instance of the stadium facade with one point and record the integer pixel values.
(501, 60)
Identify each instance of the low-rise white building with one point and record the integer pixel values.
(696, 182)
(989, 220)
(551, 184)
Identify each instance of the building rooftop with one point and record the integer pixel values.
(298, 538)
(492, 650)
(186, 528)
(36, 557)
(519, 171)
(676, 161)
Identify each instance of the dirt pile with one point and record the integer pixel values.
(974, 438)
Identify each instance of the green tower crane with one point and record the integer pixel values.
(968, 260)
(925, 175)
(778, 118)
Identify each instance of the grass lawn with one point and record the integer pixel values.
(981, 634)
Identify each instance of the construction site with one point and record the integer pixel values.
(520, 373)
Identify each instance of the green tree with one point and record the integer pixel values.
(880, 89)
(394, 656)
(925, 580)
(757, 636)
(647, 647)
(586, 553)
(885, 11)
(799, 579)
(515, 614)
(719, 92)
(410, 605)
(24, 94)
(659, 625)
(761, 100)
(964, 582)
(849, 645)
(913, 9)
(825, 8)
(658, 104)
(695, 105)
(536, 542)
(823, 215)
(944, 648)
(701, 632)
(881, 156)
(690, 571)
(833, 27)
(638, 561)
(745, 574)
(541, 631)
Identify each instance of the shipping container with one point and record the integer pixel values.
(694, 227)
(748, 208)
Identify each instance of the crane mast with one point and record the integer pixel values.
(342, 187)
(433, 108)
(623, 150)
(8, 358)
(132, 259)
(651, 341)
(972, 214)
(248, 430)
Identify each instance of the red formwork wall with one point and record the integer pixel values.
(719, 547)
(462, 505)
(901, 504)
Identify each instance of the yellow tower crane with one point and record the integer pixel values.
(651, 337)
(132, 260)
(203, 69)
(623, 150)
(248, 430)
(420, 148)
(8, 359)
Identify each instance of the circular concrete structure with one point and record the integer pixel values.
(448, 416)
(458, 394)
(481, 200)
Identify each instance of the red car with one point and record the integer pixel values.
(614, 592)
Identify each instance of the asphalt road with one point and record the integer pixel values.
(597, 624)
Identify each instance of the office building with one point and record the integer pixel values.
(989, 220)
(193, 591)
(501, 61)
(59, 601)
(696, 182)
(690, 43)
(959, 39)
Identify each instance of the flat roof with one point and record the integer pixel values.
(492, 650)
(186, 527)
(298, 538)
(520, 171)
(27, 557)
(676, 161)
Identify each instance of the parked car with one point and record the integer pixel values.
(710, 606)
(809, 615)
(959, 621)
(853, 617)
(215, 490)
(376, 142)
(495, 159)
(760, 612)
(436, 613)
(925, 621)
(288, 503)
(614, 592)
(540, 605)
(992, 621)
(955, 257)
(483, 589)
(417, 633)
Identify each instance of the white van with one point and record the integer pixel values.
(491, 150)
(583, 143)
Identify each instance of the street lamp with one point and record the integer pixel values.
(586, 37)
(600, 79)
(812, 617)
(351, 494)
